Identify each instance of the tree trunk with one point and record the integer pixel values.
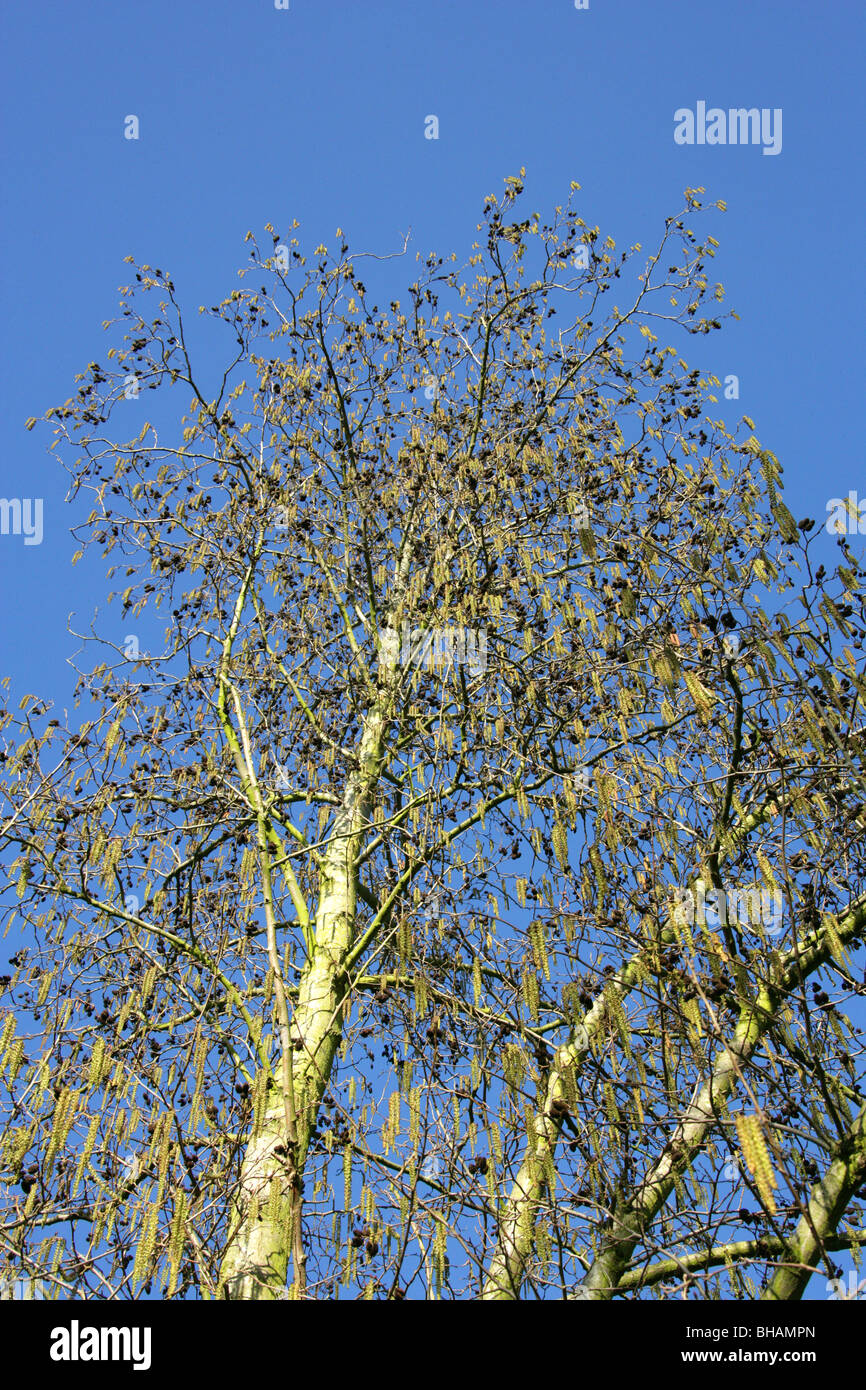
(632, 1220)
(267, 1205)
(827, 1204)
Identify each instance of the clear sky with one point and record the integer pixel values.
(251, 114)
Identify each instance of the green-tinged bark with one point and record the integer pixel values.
(734, 1251)
(517, 1221)
(633, 1218)
(516, 1225)
(817, 1227)
(257, 1255)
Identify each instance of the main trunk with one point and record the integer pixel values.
(256, 1260)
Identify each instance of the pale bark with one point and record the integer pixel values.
(256, 1259)
(266, 1226)
(634, 1217)
(817, 1226)
(517, 1221)
(516, 1225)
(735, 1251)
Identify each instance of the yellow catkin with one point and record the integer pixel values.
(492, 1187)
(415, 1115)
(15, 1058)
(44, 1076)
(347, 1176)
(164, 1156)
(275, 1205)
(148, 982)
(529, 992)
(146, 1243)
(89, 1146)
(64, 1116)
(440, 1243)
(404, 939)
(194, 1112)
(260, 1096)
(5, 1035)
(94, 1074)
(175, 1239)
(513, 1066)
(638, 1106)
(542, 1240)
(836, 948)
(753, 1145)
(158, 1122)
(421, 996)
(610, 1106)
(560, 843)
(495, 1141)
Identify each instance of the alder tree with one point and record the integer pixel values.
(449, 881)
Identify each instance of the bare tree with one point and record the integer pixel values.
(461, 900)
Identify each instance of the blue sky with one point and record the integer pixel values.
(250, 114)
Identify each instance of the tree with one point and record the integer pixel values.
(462, 900)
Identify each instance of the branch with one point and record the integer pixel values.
(635, 1215)
(739, 1250)
(816, 1227)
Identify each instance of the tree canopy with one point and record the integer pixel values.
(463, 899)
